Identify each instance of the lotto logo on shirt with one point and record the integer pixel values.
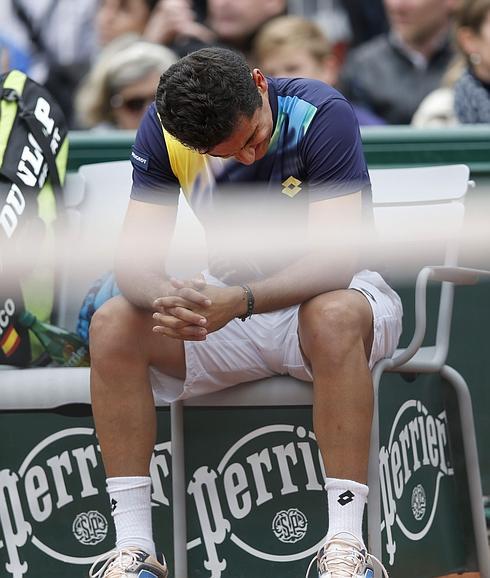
(291, 186)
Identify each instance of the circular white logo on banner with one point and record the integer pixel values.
(90, 528)
(289, 526)
(418, 502)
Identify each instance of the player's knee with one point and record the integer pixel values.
(330, 325)
(112, 330)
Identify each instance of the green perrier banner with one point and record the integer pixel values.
(426, 524)
(54, 512)
(255, 499)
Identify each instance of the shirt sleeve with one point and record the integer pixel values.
(153, 178)
(332, 152)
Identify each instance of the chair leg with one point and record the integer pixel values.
(178, 489)
(472, 467)
(374, 498)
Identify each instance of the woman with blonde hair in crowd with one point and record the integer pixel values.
(122, 84)
(472, 90)
(294, 46)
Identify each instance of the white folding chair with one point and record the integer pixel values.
(428, 201)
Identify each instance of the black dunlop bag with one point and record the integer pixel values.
(33, 156)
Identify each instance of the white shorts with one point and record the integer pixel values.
(268, 344)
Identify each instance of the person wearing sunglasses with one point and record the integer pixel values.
(122, 84)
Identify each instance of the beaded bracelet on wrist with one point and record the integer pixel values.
(250, 303)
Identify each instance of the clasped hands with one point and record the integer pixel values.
(192, 309)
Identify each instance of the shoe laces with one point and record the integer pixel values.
(343, 556)
(115, 563)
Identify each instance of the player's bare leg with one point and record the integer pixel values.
(122, 348)
(336, 334)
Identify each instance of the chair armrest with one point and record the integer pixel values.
(420, 318)
(453, 274)
(458, 275)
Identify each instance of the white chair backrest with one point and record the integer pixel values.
(419, 184)
(419, 213)
(96, 198)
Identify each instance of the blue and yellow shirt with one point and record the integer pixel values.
(315, 152)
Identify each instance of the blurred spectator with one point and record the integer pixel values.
(173, 23)
(464, 96)
(176, 24)
(472, 90)
(437, 108)
(393, 72)
(122, 84)
(12, 56)
(236, 23)
(117, 18)
(295, 46)
(332, 18)
(229, 23)
(367, 19)
(52, 40)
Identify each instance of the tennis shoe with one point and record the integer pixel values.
(127, 563)
(344, 556)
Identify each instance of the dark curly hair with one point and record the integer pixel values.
(201, 97)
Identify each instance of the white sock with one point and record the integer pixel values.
(346, 502)
(131, 511)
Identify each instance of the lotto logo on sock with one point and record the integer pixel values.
(113, 504)
(346, 498)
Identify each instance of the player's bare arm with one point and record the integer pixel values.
(326, 267)
(142, 253)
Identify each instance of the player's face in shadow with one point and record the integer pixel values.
(250, 139)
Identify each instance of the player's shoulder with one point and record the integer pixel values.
(310, 90)
(150, 123)
(150, 133)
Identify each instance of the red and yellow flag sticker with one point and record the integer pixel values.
(10, 341)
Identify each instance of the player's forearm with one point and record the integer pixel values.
(141, 286)
(307, 277)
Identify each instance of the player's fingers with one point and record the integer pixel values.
(187, 316)
(187, 333)
(194, 296)
(177, 283)
(169, 321)
(198, 282)
(164, 303)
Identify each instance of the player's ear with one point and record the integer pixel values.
(260, 80)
